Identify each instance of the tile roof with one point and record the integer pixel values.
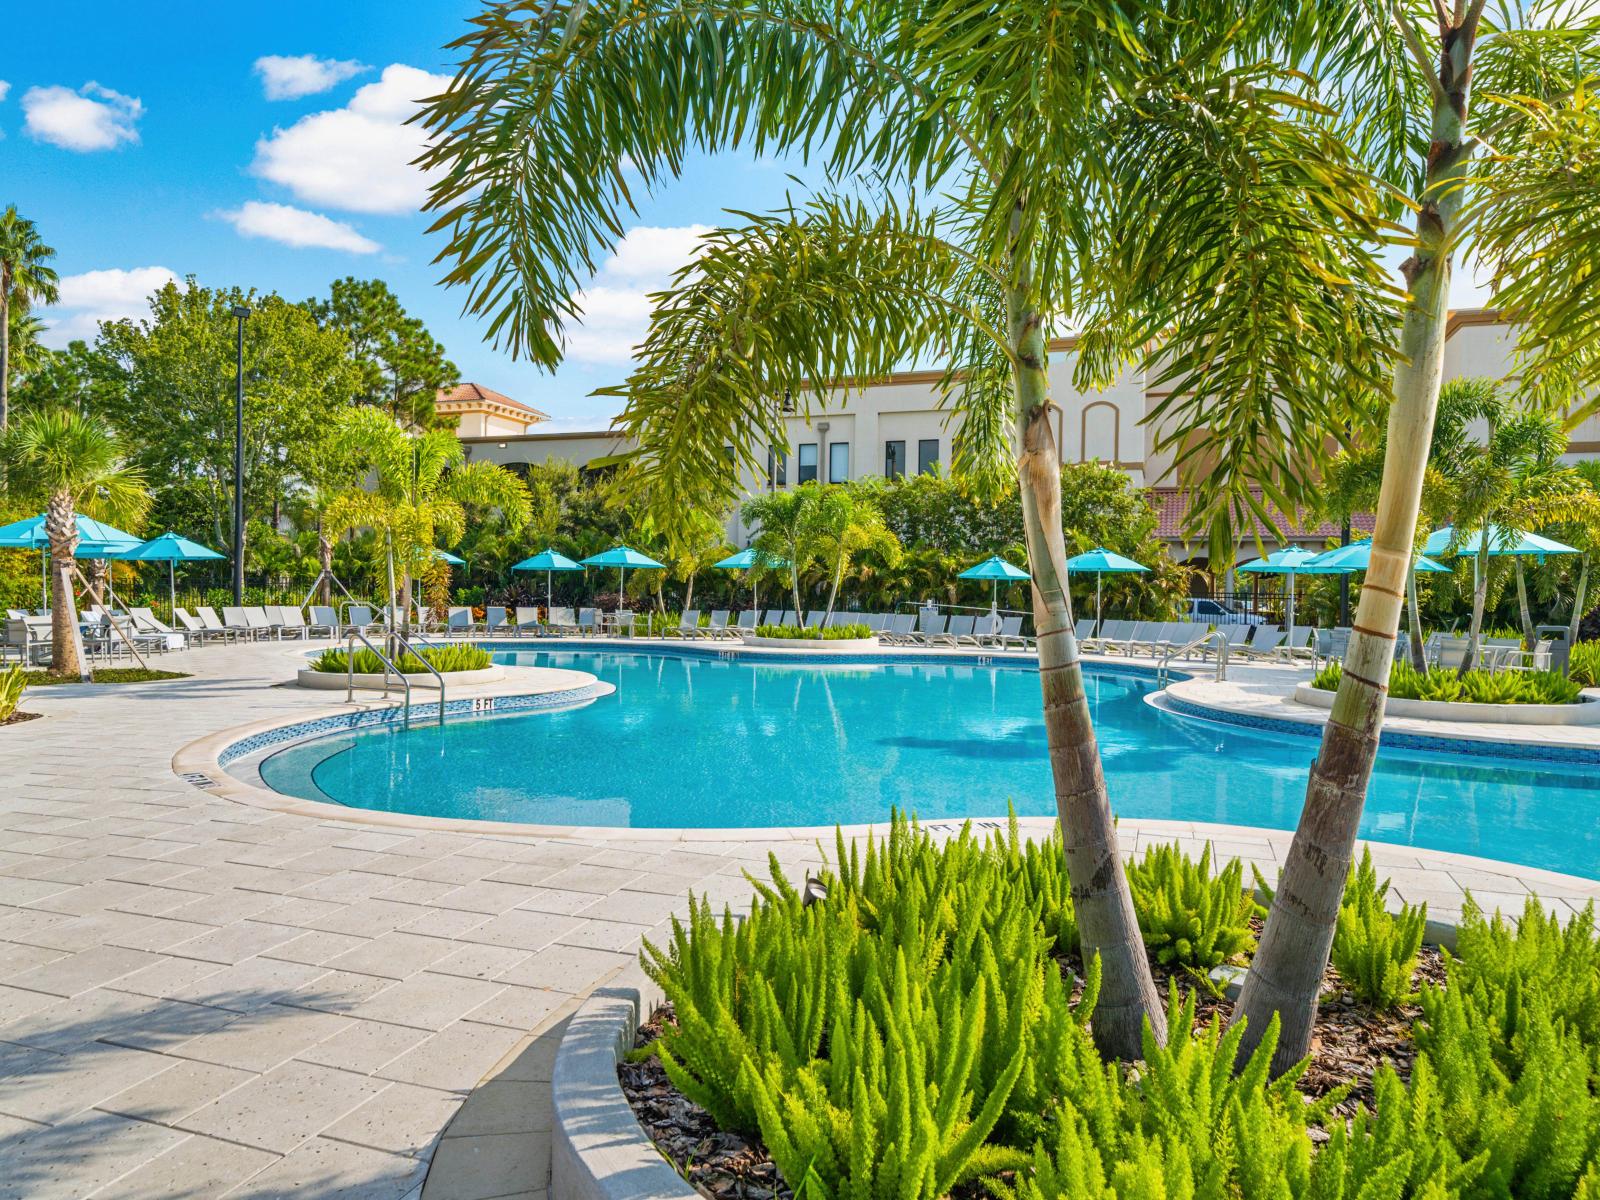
(1173, 504)
(467, 392)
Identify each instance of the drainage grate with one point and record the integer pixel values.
(199, 779)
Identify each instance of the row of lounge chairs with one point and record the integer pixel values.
(1194, 639)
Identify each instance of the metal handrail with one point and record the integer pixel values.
(406, 648)
(350, 671)
(1172, 652)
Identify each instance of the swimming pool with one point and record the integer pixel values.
(701, 742)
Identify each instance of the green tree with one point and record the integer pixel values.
(80, 377)
(1587, 536)
(846, 526)
(421, 485)
(402, 368)
(694, 546)
(26, 278)
(68, 464)
(788, 531)
(1512, 478)
(176, 398)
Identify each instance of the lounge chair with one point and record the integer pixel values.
(785, 617)
(588, 620)
(621, 622)
(459, 620)
(528, 621)
(215, 624)
(1111, 633)
(234, 618)
(255, 617)
(1537, 659)
(1301, 646)
(930, 624)
(293, 620)
(688, 625)
(1083, 631)
(717, 626)
(145, 621)
(196, 629)
(358, 616)
(960, 632)
(748, 619)
(1183, 636)
(1493, 653)
(496, 619)
(815, 617)
(323, 616)
(1010, 634)
(561, 620)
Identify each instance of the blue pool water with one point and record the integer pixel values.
(699, 742)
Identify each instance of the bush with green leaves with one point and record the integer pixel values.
(807, 633)
(1583, 666)
(13, 680)
(1374, 950)
(445, 659)
(1475, 687)
(1188, 916)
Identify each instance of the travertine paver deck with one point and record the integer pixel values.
(203, 998)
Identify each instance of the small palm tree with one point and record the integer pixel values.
(1588, 540)
(789, 531)
(70, 464)
(422, 483)
(25, 279)
(846, 525)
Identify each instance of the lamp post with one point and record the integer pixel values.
(240, 312)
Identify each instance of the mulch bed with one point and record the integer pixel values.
(1349, 1046)
(17, 718)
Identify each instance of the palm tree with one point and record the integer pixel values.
(847, 524)
(1146, 175)
(25, 280)
(1588, 539)
(1512, 478)
(788, 532)
(693, 546)
(421, 483)
(69, 464)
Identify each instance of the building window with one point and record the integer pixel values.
(894, 460)
(839, 462)
(927, 456)
(777, 468)
(807, 463)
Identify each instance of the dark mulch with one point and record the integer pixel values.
(105, 675)
(1349, 1046)
(17, 718)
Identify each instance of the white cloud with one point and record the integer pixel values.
(96, 296)
(285, 77)
(296, 227)
(5, 89)
(358, 157)
(616, 306)
(92, 118)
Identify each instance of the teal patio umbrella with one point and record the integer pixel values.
(1503, 543)
(445, 556)
(1358, 555)
(746, 559)
(995, 569)
(96, 539)
(170, 549)
(549, 561)
(623, 557)
(1289, 562)
(1101, 561)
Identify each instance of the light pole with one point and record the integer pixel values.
(240, 312)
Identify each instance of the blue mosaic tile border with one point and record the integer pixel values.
(730, 651)
(479, 706)
(1473, 747)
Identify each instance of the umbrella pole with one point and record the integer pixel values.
(549, 592)
(44, 577)
(172, 590)
(1291, 608)
(1097, 579)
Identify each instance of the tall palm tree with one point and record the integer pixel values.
(422, 482)
(1190, 184)
(69, 464)
(25, 280)
(846, 525)
(1588, 539)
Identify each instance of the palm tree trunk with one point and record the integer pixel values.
(5, 349)
(325, 563)
(1480, 601)
(1530, 639)
(1100, 896)
(66, 648)
(1419, 654)
(405, 602)
(1285, 977)
(688, 592)
(1580, 597)
(833, 592)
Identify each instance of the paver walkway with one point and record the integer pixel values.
(202, 998)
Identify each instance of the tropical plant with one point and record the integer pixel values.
(1583, 667)
(26, 278)
(1587, 536)
(69, 464)
(788, 532)
(421, 483)
(1189, 916)
(445, 659)
(845, 526)
(826, 633)
(12, 682)
(1374, 950)
(1475, 687)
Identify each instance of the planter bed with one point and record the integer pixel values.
(1585, 712)
(335, 680)
(829, 646)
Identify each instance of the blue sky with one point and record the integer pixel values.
(145, 139)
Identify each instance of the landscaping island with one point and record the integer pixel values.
(1506, 697)
(833, 639)
(457, 663)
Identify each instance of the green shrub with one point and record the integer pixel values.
(12, 682)
(1583, 668)
(1189, 917)
(806, 633)
(455, 657)
(1375, 950)
(1475, 687)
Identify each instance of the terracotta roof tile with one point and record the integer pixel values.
(476, 391)
(1173, 506)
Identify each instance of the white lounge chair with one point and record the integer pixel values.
(528, 621)
(324, 617)
(688, 625)
(292, 619)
